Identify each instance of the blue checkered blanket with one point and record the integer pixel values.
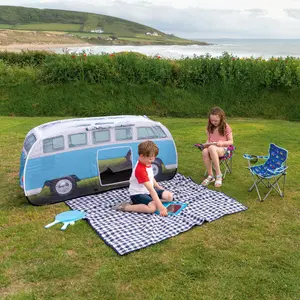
(126, 232)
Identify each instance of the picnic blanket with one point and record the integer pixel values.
(126, 232)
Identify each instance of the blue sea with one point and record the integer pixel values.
(264, 48)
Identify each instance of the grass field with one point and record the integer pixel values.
(49, 27)
(250, 255)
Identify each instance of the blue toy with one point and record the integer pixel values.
(68, 218)
(174, 208)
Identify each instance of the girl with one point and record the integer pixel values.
(219, 132)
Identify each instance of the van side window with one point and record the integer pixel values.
(77, 139)
(159, 131)
(146, 133)
(101, 136)
(123, 133)
(53, 144)
(30, 140)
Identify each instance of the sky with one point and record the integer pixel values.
(195, 19)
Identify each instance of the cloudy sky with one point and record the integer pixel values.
(200, 19)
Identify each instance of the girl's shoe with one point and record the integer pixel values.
(208, 180)
(218, 182)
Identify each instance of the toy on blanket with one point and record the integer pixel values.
(173, 208)
(68, 218)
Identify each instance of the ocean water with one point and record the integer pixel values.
(265, 48)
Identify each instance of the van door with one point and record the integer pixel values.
(115, 165)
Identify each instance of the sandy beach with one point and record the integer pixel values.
(47, 47)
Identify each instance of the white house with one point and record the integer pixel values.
(99, 30)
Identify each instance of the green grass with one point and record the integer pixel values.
(49, 27)
(250, 255)
(5, 26)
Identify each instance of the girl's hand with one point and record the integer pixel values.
(219, 144)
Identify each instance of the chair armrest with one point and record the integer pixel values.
(278, 170)
(253, 157)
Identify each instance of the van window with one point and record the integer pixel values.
(53, 144)
(101, 136)
(29, 141)
(77, 139)
(123, 133)
(146, 133)
(159, 131)
(150, 132)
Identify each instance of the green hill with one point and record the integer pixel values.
(81, 24)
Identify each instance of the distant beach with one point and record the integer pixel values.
(47, 47)
(237, 47)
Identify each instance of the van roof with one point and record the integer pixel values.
(60, 126)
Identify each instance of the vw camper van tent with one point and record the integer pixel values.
(66, 159)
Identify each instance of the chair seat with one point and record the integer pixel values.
(263, 171)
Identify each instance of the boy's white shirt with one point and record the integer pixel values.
(135, 187)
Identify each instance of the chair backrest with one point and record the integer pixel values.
(277, 157)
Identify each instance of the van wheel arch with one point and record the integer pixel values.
(157, 168)
(63, 186)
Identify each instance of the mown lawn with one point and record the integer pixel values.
(250, 255)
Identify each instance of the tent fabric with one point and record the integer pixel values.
(126, 232)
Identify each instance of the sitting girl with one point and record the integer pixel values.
(219, 132)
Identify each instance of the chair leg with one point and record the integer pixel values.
(271, 185)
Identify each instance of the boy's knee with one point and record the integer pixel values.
(151, 209)
(167, 196)
(170, 196)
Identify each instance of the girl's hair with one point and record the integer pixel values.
(217, 111)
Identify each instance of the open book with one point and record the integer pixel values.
(205, 145)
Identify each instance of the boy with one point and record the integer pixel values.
(145, 192)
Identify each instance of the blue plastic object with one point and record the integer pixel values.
(174, 208)
(67, 218)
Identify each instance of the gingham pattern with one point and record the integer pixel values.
(126, 232)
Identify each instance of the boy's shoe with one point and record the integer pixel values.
(121, 206)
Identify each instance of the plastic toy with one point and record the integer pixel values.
(68, 218)
(173, 208)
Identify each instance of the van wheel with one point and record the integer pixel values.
(157, 169)
(63, 186)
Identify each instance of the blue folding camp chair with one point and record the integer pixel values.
(270, 172)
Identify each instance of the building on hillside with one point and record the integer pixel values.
(98, 30)
(153, 33)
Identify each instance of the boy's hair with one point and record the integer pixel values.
(217, 111)
(148, 148)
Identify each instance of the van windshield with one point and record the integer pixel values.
(29, 141)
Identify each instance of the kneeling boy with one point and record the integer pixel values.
(145, 192)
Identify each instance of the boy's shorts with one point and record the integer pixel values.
(145, 198)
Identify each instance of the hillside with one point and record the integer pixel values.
(83, 27)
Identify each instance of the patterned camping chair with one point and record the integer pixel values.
(270, 172)
(225, 161)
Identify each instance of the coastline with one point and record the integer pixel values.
(41, 47)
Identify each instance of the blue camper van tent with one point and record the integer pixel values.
(66, 159)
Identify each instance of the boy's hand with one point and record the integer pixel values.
(163, 212)
(159, 187)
